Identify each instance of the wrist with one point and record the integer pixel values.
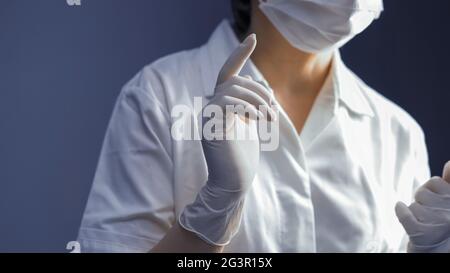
(215, 215)
(442, 247)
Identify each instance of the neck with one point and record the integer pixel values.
(287, 69)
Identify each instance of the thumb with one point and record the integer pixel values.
(237, 59)
(406, 218)
(446, 173)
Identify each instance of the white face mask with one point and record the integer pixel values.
(318, 25)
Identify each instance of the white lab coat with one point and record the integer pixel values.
(332, 188)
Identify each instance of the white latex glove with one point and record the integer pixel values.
(427, 220)
(232, 164)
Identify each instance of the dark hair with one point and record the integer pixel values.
(242, 16)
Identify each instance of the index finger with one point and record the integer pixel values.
(237, 59)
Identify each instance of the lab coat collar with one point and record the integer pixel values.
(222, 43)
(347, 88)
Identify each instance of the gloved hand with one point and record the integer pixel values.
(232, 164)
(427, 220)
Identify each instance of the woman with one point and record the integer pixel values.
(345, 155)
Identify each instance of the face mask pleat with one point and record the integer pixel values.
(317, 25)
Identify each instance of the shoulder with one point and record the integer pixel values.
(170, 79)
(389, 114)
(388, 111)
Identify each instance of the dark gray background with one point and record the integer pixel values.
(61, 69)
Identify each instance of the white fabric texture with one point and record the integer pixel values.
(333, 188)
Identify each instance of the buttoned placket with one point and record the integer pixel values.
(319, 119)
(303, 187)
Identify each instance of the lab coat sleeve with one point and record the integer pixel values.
(421, 168)
(131, 206)
(423, 173)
